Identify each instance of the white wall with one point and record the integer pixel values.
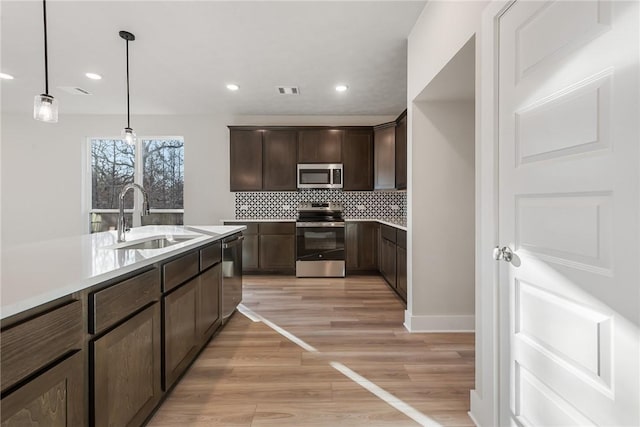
(443, 212)
(42, 166)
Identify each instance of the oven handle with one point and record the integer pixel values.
(319, 224)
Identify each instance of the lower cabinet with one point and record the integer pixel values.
(126, 369)
(401, 272)
(53, 398)
(208, 295)
(361, 246)
(388, 261)
(180, 330)
(268, 247)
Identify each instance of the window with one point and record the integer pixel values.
(155, 163)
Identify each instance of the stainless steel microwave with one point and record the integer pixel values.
(320, 175)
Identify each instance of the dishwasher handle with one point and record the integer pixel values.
(232, 243)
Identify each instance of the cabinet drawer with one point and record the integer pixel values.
(277, 228)
(179, 270)
(388, 233)
(35, 343)
(210, 255)
(110, 305)
(402, 239)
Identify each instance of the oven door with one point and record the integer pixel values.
(321, 241)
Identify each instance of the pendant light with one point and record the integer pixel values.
(128, 135)
(45, 106)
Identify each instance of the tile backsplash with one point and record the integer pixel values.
(357, 204)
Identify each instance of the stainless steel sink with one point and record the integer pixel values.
(153, 243)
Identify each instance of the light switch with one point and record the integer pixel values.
(244, 207)
(361, 207)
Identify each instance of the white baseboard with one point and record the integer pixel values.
(428, 323)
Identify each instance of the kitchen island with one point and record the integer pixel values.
(95, 332)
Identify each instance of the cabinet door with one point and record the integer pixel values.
(401, 153)
(54, 398)
(351, 245)
(388, 261)
(180, 330)
(368, 236)
(280, 160)
(209, 290)
(385, 157)
(357, 154)
(246, 160)
(401, 272)
(126, 370)
(250, 259)
(277, 252)
(320, 146)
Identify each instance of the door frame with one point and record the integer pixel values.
(490, 398)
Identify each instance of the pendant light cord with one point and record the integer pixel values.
(128, 113)
(46, 59)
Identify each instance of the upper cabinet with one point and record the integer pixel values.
(320, 146)
(263, 160)
(279, 160)
(401, 151)
(266, 158)
(384, 137)
(357, 156)
(246, 160)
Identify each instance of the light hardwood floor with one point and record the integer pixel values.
(324, 352)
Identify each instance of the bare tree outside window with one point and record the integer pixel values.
(163, 176)
(113, 165)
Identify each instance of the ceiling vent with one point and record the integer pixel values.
(74, 90)
(288, 90)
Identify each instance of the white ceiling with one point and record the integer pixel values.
(187, 51)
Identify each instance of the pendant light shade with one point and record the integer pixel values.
(45, 106)
(128, 135)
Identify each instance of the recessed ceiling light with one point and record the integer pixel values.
(93, 76)
(233, 87)
(5, 76)
(342, 88)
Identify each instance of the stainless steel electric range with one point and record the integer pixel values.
(320, 240)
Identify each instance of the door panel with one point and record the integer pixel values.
(568, 147)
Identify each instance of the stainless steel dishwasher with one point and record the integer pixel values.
(231, 274)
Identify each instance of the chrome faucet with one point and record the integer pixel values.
(122, 221)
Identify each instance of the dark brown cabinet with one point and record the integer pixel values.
(401, 151)
(246, 160)
(401, 264)
(180, 330)
(126, 369)
(320, 146)
(53, 398)
(208, 294)
(384, 137)
(357, 154)
(277, 246)
(361, 246)
(268, 247)
(280, 160)
(388, 261)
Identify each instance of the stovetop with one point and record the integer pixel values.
(320, 211)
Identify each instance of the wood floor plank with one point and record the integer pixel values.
(253, 375)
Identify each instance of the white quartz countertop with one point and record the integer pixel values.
(260, 220)
(36, 273)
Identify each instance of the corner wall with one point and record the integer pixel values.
(440, 32)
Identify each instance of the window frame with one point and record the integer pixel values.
(138, 177)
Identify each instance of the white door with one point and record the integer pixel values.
(569, 209)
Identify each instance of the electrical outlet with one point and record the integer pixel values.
(361, 207)
(395, 207)
(286, 207)
(244, 207)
